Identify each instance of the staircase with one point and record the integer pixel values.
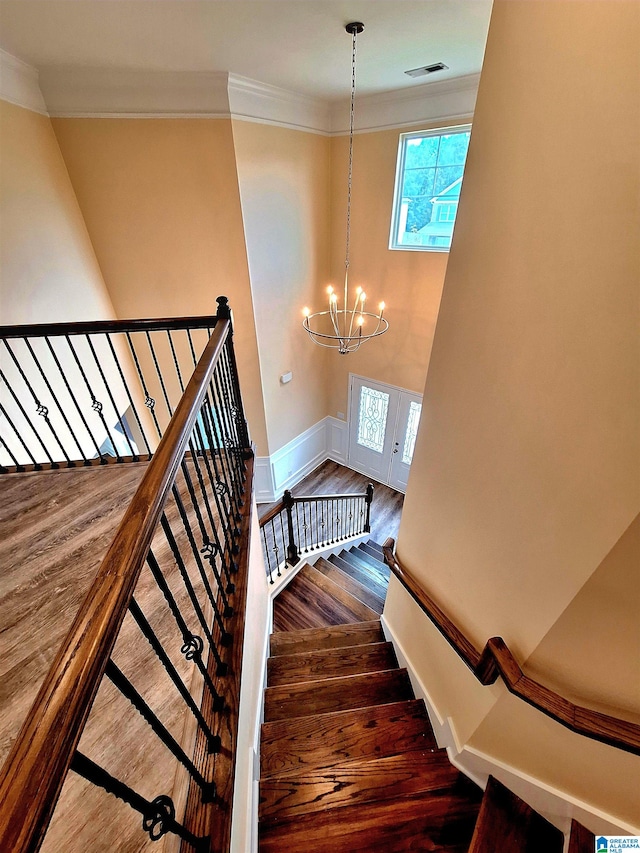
(349, 761)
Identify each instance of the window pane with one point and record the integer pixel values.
(372, 418)
(428, 194)
(421, 151)
(412, 430)
(453, 149)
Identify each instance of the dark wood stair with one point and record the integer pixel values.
(349, 761)
(344, 589)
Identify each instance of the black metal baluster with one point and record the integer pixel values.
(223, 454)
(41, 410)
(236, 466)
(220, 490)
(132, 405)
(224, 312)
(175, 360)
(76, 404)
(192, 645)
(95, 404)
(193, 352)
(19, 467)
(323, 531)
(55, 400)
(158, 815)
(266, 550)
(213, 741)
(119, 680)
(112, 400)
(149, 401)
(28, 420)
(221, 667)
(210, 547)
(159, 374)
(226, 446)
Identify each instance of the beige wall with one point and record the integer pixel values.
(284, 178)
(581, 654)
(161, 201)
(526, 470)
(48, 270)
(409, 282)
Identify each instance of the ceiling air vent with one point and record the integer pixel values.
(427, 69)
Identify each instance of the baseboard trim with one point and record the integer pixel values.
(557, 806)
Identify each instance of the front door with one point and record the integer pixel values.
(383, 422)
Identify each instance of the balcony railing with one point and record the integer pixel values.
(186, 534)
(296, 527)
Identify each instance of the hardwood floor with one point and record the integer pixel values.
(330, 478)
(55, 527)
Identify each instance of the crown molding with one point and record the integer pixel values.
(122, 93)
(118, 93)
(435, 102)
(251, 100)
(19, 84)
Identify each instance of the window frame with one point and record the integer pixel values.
(397, 188)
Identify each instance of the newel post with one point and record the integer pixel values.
(368, 499)
(292, 549)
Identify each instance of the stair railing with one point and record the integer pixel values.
(298, 526)
(187, 530)
(92, 393)
(496, 660)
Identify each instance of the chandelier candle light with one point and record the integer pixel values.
(344, 328)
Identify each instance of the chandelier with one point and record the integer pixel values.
(346, 328)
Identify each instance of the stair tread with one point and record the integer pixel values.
(360, 572)
(374, 562)
(507, 823)
(353, 782)
(360, 611)
(437, 822)
(333, 636)
(348, 692)
(330, 663)
(302, 604)
(372, 567)
(376, 553)
(375, 545)
(365, 594)
(294, 746)
(581, 839)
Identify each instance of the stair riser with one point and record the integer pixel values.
(330, 663)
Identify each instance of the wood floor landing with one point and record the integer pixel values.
(55, 527)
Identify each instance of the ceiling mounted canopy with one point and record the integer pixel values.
(346, 328)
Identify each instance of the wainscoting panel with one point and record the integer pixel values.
(326, 439)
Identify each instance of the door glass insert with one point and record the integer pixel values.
(372, 418)
(412, 430)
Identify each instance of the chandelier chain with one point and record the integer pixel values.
(351, 126)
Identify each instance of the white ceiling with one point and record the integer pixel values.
(299, 45)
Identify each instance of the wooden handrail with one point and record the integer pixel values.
(280, 506)
(496, 659)
(35, 770)
(103, 326)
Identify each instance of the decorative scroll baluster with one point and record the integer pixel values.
(192, 645)
(125, 385)
(158, 815)
(149, 401)
(142, 622)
